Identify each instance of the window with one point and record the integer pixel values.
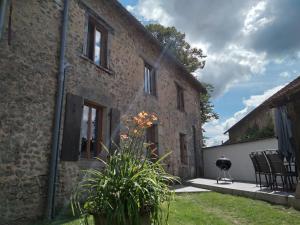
(183, 149)
(149, 80)
(83, 128)
(97, 43)
(91, 131)
(180, 98)
(152, 140)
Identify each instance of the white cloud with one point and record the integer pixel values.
(239, 37)
(284, 74)
(151, 10)
(256, 100)
(228, 63)
(215, 129)
(230, 67)
(130, 8)
(254, 19)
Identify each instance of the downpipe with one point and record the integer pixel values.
(58, 116)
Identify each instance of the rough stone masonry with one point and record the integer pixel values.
(29, 60)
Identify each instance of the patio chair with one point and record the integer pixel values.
(255, 165)
(263, 168)
(292, 170)
(279, 169)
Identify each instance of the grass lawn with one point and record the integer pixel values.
(212, 208)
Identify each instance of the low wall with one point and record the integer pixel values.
(242, 167)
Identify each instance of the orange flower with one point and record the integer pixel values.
(154, 117)
(141, 114)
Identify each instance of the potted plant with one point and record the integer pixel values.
(131, 187)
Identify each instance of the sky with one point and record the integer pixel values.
(252, 48)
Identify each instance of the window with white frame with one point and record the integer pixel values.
(149, 80)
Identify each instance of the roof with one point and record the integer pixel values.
(193, 80)
(258, 108)
(279, 97)
(285, 94)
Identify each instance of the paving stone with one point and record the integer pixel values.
(188, 189)
(247, 190)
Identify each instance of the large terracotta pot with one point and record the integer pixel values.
(101, 220)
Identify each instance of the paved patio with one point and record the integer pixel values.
(188, 189)
(247, 190)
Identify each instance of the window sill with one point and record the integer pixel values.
(150, 95)
(97, 66)
(180, 110)
(85, 163)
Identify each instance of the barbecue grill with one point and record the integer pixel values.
(224, 165)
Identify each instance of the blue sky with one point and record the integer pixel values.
(253, 48)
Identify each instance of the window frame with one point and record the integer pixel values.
(180, 98)
(150, 84)
(99, 134)
(93, 25)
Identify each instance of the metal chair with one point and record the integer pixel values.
(255, 165)
(278, 168)
(292, 170)
(263, 168)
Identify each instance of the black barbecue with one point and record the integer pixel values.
(224, 165)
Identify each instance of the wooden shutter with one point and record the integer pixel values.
(72, 128)
(152, 139)
(182, 99)
(104, 40)
(183, 149)
(153, 82)
(115, 118)
(86, 35)
(178, 97)
(90, 41)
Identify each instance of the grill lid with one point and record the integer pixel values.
(223, 163)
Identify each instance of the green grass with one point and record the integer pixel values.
(212, 208)
(220, 209)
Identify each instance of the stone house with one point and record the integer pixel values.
(258, 124)
(59, 101)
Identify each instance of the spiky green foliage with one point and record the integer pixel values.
(130, 186)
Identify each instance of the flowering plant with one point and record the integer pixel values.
(131, 186)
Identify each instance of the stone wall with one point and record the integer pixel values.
(29, 68)
(261, 118)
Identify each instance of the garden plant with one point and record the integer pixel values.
(132, 186)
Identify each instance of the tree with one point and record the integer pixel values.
(174, 41)
(207, 108)
(191, 58)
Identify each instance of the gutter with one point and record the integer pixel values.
(58, 115)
